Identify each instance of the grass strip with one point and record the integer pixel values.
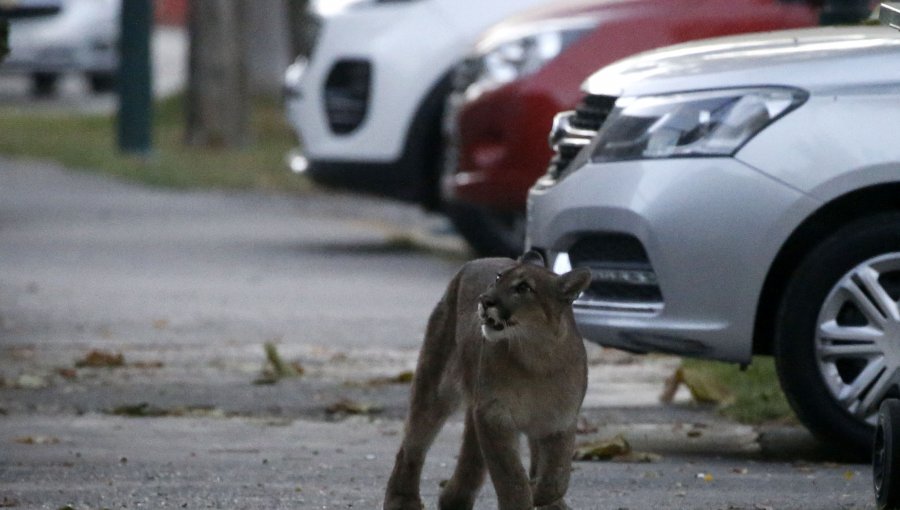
(88, 142)
(757, 395)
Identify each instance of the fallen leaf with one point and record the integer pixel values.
(160, 324)
(347, 406)
(848, 475)
(637, 457)
(8, 502)
(67, 373)
(101, 359)
(604, 449)
(31, 382)
(146, 410)
(616, 449)
(404, 377)
(704, 389)
(147, 364)
(276, 368)
(141, 410)
(37, 440)
(739, 471)
(706, 477)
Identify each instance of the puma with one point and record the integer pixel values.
(503, 341)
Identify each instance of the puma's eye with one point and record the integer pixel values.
(498, 277)
(522, 288)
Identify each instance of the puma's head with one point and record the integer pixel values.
(527, 300)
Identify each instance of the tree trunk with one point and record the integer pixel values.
(218, 103)
(301, 26)
(267, 48)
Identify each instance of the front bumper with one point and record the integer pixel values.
(708, 231)
(372, 38)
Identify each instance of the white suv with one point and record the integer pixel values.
(368, 104)
(80, 36)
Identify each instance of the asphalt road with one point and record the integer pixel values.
(189, 286)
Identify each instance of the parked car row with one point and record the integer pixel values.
(500, 110)
(732, 196)
(64, 36)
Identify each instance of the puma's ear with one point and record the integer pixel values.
(574, 283)
(532, 257)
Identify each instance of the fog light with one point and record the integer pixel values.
(562, 264)
(297, 162)
(628, 276)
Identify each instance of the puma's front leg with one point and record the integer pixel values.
(422, 425)
(462, 489)
(500, 448)
(554, 469)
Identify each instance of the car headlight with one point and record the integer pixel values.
(509, 56)
(708, 123)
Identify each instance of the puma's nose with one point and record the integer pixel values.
(487, 301)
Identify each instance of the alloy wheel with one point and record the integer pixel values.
(857, 343)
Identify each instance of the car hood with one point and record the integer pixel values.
(819, 60)
(557, 15)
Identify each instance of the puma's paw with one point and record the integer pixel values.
(447, 502)
(559, 504)
(403, 503)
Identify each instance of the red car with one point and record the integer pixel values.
(529, 68)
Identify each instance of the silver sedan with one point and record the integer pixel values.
(742, 196)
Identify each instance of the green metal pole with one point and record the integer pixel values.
(135, 94)
(4, 37)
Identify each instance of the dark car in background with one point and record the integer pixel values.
(530, 67)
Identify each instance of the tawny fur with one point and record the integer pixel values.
(502, 341)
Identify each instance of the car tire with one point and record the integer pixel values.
(101, 83)
(489, 233)
(44, 84)
(832, 350)
(886, 455)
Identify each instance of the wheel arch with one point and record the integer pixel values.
(840, 211)
(423, 139)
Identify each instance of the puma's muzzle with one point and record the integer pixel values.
(492, 316)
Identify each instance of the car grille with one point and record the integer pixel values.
(347, 95)
(574, 130)
(620, 268)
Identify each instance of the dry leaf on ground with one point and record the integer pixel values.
(31, 382)
(37, 440)
(616, 449)
(147, 410)
(101, 359)
(276, 368)
(704, 389)
(404, 377)
(348, 406)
